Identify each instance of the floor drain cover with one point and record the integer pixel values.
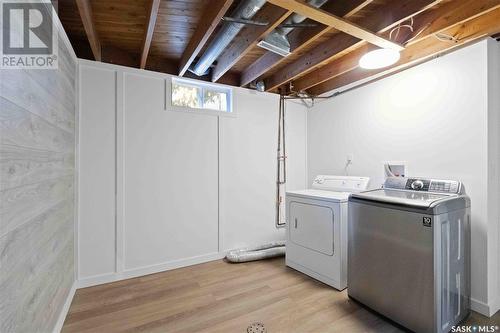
(256, 328)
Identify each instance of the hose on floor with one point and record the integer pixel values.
(271, 250)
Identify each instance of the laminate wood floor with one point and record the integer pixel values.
(223, 297)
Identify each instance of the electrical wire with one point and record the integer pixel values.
(417, 34)
(398, 29)
(446, 38)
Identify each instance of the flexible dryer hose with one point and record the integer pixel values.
(271, 250)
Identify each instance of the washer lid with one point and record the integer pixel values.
(403, 197)
(320, 195)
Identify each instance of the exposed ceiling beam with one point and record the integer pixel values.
(148, 34)
(85, 11)
(426, 24)
(336, 22)
(466, 32)
(381, 19)
(248, 38)
(301, 38)
(212, 14)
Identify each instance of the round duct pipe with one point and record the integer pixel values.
(245, 10)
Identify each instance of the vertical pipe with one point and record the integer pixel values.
(281, 160)
(283, 138)
(278, 192)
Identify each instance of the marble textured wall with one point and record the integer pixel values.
(37, 171)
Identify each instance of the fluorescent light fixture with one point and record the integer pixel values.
(379, 58)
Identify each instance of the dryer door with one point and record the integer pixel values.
(311, 226)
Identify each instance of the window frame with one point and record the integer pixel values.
(202, 86)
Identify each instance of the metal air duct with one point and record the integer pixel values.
(277, 40)
(244, 11)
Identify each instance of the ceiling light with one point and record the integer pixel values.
(379, 58)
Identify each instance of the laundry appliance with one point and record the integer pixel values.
(316, 232)
(409, 252)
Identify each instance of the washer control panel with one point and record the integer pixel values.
(423, 184)
(444, 186)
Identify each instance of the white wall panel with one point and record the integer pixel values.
(96, 234)
(493, 172)
(248, 167)
(170, 173)
(296, 141)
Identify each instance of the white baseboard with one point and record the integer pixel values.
(482, 308)
(494, 307)
(157, 268)
(65, 309)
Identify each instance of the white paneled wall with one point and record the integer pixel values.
(248, 167)
(97, 177)
(435, 117)
(493, 49)
(189, 185)
(170, 172)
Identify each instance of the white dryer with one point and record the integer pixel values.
(317, 228)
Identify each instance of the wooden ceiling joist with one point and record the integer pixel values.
(148, 34)
(248, 38)
(384, 18)
(301, 38)
(466, 32)
(336, 22)
(213, 13)
(336, 67)
(85, 11)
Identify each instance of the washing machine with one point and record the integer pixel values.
(317, 228)
(409, 252)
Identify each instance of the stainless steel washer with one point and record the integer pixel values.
(409, 252)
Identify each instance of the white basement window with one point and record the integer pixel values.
(198, 95)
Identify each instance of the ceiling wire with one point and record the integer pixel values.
(418, 33)
(399, 27)
(305, 98)
(446, 38)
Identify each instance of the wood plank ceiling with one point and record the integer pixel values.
(170, 35)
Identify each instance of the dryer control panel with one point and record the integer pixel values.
(340, 183)
(424, 184)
